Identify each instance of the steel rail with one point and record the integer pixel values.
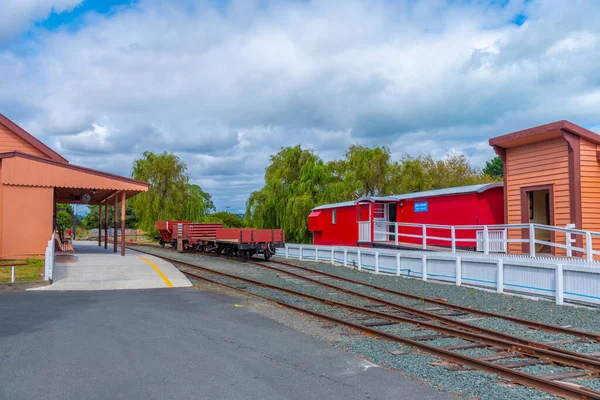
(544, 384)
(443, 319)
(417, 312)
(576, 360)
(531, 324)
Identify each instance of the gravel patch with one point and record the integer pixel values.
(583, 318)
(468, 383)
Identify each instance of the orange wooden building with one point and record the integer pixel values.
(551, 177)
(33, 178)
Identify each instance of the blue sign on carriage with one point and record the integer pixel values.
(421, 206)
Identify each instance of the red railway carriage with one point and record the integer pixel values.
(367, 221)
(166, 230)
(245, 242)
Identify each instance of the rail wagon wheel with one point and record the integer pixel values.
(162, 243)
(267, 254)
(246, 255)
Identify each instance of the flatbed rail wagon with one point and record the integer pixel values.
(166, 231)
(213, 238)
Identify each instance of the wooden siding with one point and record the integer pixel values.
(26, 172)
(590, 189)
(9, 141)
(540, 163)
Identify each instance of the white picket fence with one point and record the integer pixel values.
(560, 278)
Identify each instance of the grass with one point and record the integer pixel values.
(33, 271)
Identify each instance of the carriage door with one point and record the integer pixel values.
(380, 219)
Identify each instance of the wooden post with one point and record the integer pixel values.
(100, 225)
(106, 225)
(116, 220)
(123, 197)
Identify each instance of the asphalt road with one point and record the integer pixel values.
(175, 344)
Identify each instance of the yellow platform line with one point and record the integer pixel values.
(158, 271)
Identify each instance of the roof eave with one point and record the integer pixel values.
(29, 138)
(15, 153)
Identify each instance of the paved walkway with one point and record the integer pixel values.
(99, 269)
(173, 344)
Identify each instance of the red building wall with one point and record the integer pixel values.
(343, 233)
(486, 208)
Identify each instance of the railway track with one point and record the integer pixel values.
(374, 315)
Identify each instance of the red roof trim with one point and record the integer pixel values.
(537, 130)
(32, 140)
(13, 154)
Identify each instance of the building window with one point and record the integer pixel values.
(333, 217)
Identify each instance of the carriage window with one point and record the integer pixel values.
(333, 217)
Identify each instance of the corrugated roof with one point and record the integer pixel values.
(429, 193)
(335, 205)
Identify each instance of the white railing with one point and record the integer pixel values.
(496, 239)
(12, 271)
(49, 260)
(491, 238)
(364, 231)
(574, 280)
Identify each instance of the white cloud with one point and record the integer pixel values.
(18, 15)
(226, 88)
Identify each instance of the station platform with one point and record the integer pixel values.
(96, 268)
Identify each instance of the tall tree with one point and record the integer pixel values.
(228, 219)
(294, 183)
(494, 168)
(368, 170)
(90, 221)
(170, 196)
(297, 180)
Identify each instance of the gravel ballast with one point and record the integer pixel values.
(466, 382)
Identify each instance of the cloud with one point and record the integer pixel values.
(225, 87)
(18, 15)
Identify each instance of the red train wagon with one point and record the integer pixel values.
(247, 242)
(213, 238)
(167, 230)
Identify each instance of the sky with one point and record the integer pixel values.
(225, 84)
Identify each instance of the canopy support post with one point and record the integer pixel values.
(106, 225)
(123, 197)
(116, 219)
(100, 224)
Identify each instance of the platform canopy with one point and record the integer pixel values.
(73, 184)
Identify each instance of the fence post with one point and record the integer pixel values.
(559, 285)
(486, 240)
(376, 262)
(424, 268)
(589, 250)
(300, 253)
(12, 274)
(287, 252)
(397, 264)
(332, 255)
(531, 240)
(500, 277)
(396, 231)
(424, 237)
(568, 244)
(345, 257)
(453, 236)
(359, 261)
(458, 271)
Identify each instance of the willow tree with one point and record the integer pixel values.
(294, 183)
(170, 196)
